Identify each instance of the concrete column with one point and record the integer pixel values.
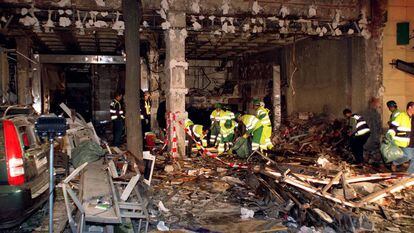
(36, 85)
(23, 70)
(277, 112)
(4, 74)
(131, 9)
(175, 66)
(153, 85)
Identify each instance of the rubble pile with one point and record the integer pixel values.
(204, 194)
(305, 185)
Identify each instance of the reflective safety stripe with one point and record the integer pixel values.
(255, 146)
(142, 117)
(395, 123)
(396, 114)
(402, 128)
(266, 121)
(114, 117)
(359, 124)
(112, 111)
(220, 148)
(362, 132)
(147, 107)
(251, 122)
(402, 139)
(121, 112)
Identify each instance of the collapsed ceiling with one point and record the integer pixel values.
(215, 29)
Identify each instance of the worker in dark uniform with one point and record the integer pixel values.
(359, 132)
(117, 118)
(145, 105)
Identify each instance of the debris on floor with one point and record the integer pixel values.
(308, 184)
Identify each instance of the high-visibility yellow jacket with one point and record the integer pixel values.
(394, 115)
(198, 131)
(217, 116)
(188, 123)
(251, 122)
(224, 131)
(262, 114)
(228, 115)
(400, 130)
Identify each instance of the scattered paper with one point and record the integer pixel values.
(246, 213)
(162, 208)
(162, 227)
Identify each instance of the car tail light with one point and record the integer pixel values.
(14, 155)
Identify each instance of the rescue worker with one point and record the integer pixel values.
(262, 114)
(198, 131)
(254, 129)
(359, 132)
(226, 136)
(228, 114)
(145, 106)
(117, 118)
(216, 117)
(401, 134)
(392, 106)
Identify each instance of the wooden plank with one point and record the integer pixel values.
(407, 182)
(333, 180)
(94, 184)
(74, 173)
(112, 169)
(129, 187)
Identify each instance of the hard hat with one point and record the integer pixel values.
(256, 102)
(262, 104)
(391, 103)
(218, 105)
(227, 124)
(237, 115)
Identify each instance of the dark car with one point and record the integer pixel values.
(24, 176)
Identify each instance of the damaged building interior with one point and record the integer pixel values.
(207, 115)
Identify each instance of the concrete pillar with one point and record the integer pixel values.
(175, 66)
(277, 112)
(23, 70)
(36, 85)
(133, 77)
(154, 84)
(4, 74)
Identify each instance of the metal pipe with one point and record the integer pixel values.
(51, 185)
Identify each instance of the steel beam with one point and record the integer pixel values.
(81, 59)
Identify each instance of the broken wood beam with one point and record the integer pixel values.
(404, 183)
(349, 192)
(333, 180)
(350, 180)
(310, 189)
(279, 198)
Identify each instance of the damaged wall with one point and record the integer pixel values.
(331, 72)
(398, 85)
(205, 80)
(254, 75)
